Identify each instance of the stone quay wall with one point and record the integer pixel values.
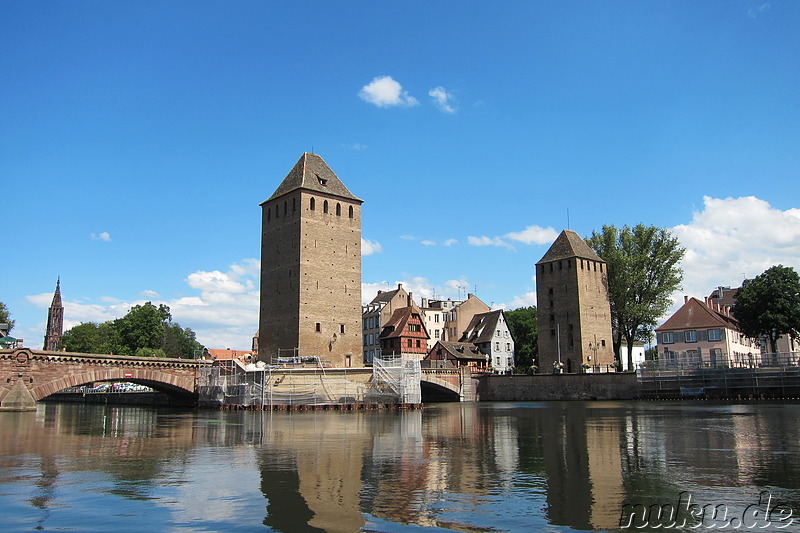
(553, 387)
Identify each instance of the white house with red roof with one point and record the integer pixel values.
(705, 333)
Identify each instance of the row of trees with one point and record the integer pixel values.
(145, 331)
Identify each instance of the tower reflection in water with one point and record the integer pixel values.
(472, 467)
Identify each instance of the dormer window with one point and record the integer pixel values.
(322, 181)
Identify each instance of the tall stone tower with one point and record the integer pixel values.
(55, 321)
(311, 268)
(573, 308)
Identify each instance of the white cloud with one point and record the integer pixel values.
(428, 243)
(483, 240)
(370, 247)
(384, 91)
(530, 235)
(534, 235)
(525, 300)
(104, 236)
(736, 238)
(215, 282)
(757, 11)
(442, 99)
(147, 293)
(449, 242)
(358, 147)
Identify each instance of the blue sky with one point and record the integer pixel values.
(137, 140)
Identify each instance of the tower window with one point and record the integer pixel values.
(312, 204)
(269, 213)
(351, 211)
(338, 209)
(325, 206)
(318, 327)
(341, 329)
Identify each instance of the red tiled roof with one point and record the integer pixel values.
(695, 314)
(228, 354)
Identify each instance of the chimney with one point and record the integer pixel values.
(399, 286)
(424, 303)
(469, 295)
(410, 300)
(686, 299)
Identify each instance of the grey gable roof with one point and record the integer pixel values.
(313, 174)
(482, 327)
(569, 245)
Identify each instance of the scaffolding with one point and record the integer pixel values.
(740, 377)
(293, 382)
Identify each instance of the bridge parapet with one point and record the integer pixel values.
(27, 376)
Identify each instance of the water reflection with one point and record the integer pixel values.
(464, 467)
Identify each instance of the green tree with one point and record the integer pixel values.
(82, 338)
(142, 327)
(523, 324)
(150, 352)
(180, 342)
(769, 305)
(643, 271)
(5, 317)
(146, 330)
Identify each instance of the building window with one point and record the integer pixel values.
(690, 336)
(414, 327)
(318, 327)
(269, 211)
(714, 335)
(350, 211)
(508, 346)
(341, 329)
(325, 206)
(338, 209)
(418, 345)
(667, 338)
(436, 334)
(497, 346)
(312, 204)
(409, 343)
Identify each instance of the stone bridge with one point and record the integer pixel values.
(27, 376)
(448, 384)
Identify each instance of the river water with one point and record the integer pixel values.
(521, 467)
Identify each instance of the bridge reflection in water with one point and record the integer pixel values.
(466, 467)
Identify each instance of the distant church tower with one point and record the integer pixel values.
(573, 308)
(311, 268)
(55, 321)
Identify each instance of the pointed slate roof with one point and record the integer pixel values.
(568, 245)
(695, 314)
(482, 327)
(313, 174)
(57, 295)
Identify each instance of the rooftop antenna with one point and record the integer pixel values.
(568, 218)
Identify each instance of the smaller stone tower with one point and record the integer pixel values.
(55, 321)
(573, 307)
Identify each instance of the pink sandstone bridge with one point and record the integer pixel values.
(27, 376)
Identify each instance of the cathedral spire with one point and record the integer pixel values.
(55, 321)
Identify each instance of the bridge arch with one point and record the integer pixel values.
(436, 389)
(27, 376)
